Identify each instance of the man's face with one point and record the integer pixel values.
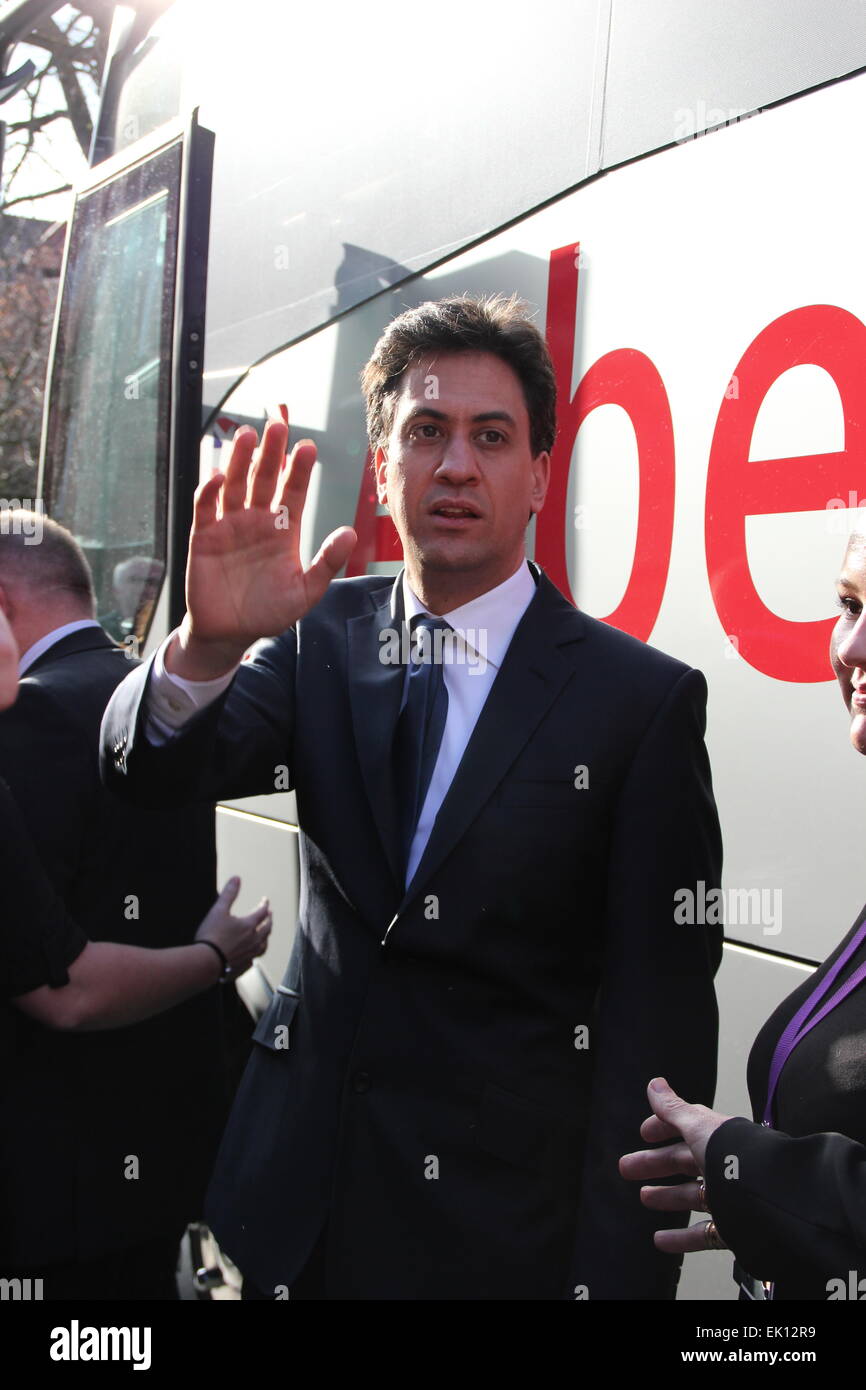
(458, 473)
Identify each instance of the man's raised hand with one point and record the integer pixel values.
(244, 577)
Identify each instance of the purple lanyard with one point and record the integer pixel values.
(797, 1028)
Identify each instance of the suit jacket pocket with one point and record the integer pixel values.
(524, 1133)
(272, 1029)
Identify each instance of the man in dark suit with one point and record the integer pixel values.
(486, 963)
(108, 1138)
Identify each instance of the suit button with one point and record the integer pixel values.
(361, 1082)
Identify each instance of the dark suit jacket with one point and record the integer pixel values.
(78, 1107)
(38, 939)
(434, 1102)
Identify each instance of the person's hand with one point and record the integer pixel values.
(690, 1126)
(244, 578)
(8, 664)
(240, 939)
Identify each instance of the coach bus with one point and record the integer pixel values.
(675, 188)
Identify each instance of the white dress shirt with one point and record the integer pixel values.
(485, 627)
(471, 660)
(51, 639)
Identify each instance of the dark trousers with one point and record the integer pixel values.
(141, 1273)
(309, 1284)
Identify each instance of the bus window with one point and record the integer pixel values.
(105, 468)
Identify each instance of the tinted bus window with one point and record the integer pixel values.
(107, 445)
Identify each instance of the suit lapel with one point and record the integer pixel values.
(375, 692)
(537, 665)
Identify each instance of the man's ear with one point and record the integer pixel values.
(540, 481)
(380, 468)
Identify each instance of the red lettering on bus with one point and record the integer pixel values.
(737, 487)
(377, 535)
(629, 379)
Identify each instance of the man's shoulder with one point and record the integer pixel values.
(39, 704)
(70, 686)
(627, 651)
(349, 598)
(608, 648)
(98, 671)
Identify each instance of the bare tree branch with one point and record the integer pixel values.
(69, 61)
(35, 122)
(34, 197)
(79, 115)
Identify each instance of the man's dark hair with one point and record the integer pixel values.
(463, 323)
(54, 561)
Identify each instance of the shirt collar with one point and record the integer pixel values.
(487, 623)
(51, 639)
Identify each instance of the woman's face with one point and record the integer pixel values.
(848, 643)
(8, 664)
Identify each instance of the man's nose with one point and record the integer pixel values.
(458, 461)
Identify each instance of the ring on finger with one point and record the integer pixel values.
(702, 1195)
(711, 1236)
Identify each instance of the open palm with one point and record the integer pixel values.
(245, 578)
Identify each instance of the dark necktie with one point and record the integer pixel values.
(419, 730)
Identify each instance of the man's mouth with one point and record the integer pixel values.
(455, 511)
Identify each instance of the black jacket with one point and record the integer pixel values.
(38, 939)
(791, 1201)
(83, 1113)
(434, 1102)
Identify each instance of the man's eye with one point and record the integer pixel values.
(492, 436)
(424, 431)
